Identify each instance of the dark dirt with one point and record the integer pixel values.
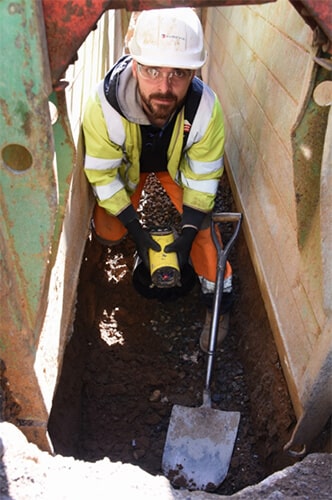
(130, 359)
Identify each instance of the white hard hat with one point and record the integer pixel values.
(168, 38)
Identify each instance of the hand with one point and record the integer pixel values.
(143, 241)
(182, 245)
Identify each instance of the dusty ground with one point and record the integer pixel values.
(130, 359)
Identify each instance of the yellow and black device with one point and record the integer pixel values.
(164, 267)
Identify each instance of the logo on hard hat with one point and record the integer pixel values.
(175, 37)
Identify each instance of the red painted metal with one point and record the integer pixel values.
(316, 13)
(68, 22)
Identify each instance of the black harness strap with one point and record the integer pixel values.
(193, 99)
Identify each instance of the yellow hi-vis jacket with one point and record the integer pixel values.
(113, 146)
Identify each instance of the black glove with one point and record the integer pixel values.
(182, 245)
(143, 241)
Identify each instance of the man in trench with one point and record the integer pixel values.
(151, 113)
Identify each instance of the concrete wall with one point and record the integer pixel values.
(95, 57)
(260, 64)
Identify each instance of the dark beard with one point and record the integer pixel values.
(160, 112)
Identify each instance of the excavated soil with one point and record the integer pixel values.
(130, 359)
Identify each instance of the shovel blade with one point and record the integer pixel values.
(199, 446)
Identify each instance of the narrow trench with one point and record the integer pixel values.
(130, 359)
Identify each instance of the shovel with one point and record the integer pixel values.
(200, 441)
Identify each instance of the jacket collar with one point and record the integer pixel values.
(121, 92)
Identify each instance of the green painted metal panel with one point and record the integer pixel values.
(28, 187)
(308, 143)
(65, 158)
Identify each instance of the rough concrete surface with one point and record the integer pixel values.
(27, 473)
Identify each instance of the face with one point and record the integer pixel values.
(163, 95)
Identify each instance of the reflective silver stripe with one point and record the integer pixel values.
(202, 167)
(202, 117)
(92, 163)
(113, 120)
(131, 185)
(109, 190)
(209, 286)
(208, 186)
(228, 284)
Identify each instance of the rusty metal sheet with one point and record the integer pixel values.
(69, 23)
(27, 180)
(28, 201)
(316, 13)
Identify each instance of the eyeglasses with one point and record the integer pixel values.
(156, 75)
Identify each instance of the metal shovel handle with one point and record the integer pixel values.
(222, 253)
